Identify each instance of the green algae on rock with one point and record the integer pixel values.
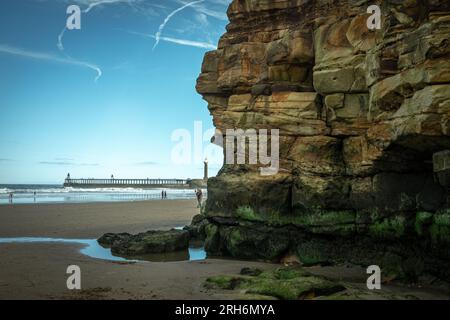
(286, 283)
(148, 242)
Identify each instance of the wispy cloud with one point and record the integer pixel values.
(4, 48)
(124, 66)
(184, 42)
(6, 160)
(68, 163)
(59, 44)
(190, 43)
(202, 19)
(56, 163)
(101, 2)
(211, 12)
(146, 163)
(167, 19)
(91, 4)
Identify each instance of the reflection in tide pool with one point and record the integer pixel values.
(197, 254)
(94, 250)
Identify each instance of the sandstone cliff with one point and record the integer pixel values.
(364, 128)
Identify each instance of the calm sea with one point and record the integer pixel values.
(32, 193)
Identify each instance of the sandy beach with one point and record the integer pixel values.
(91, 220)
(38, 270)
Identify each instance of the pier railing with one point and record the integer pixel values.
(124, 182)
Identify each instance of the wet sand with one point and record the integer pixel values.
(38, 270)
(91, 220)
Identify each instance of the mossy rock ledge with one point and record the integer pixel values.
(285, 283)
(405, 247)
(147, 242)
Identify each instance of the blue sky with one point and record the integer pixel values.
(105, 99)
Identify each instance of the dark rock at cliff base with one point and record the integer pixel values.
(247, 271)
(393, 244)
(197, 227)
(147, 242)
(253, 242)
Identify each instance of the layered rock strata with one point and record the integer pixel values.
(364, 126)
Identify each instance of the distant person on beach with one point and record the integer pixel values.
(11, 197)
(199, 195)
(165, 194)
(162, 194)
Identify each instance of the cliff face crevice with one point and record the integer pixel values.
(364, 126)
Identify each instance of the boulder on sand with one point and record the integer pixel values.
(147, 242)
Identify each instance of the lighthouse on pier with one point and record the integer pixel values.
(205, 169)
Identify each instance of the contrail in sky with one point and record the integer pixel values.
(49, 57)
(89, 8)
(60, 37)
(184, 42)
(167, 19)
(190, 43)
(94, 4)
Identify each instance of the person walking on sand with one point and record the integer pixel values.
(199, 195)
(162, 194)
(11, 197)
(165, 194)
